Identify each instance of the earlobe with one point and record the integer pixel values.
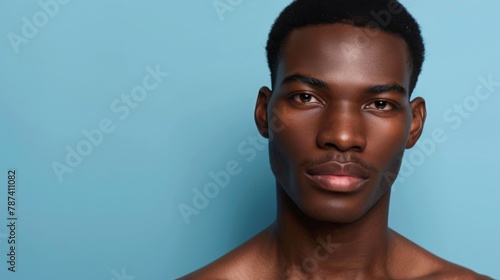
(419, 113)
(261, 111)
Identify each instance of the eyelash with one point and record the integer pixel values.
(296, 97)
(387, 103)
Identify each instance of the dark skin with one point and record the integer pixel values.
(342, 115)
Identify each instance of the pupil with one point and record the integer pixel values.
(380, 104)
(306, 97)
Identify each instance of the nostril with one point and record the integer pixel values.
(342, 138)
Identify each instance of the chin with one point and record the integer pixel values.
(330, 207)
(337, 214)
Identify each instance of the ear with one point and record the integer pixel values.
(419, 113)
(261, 111)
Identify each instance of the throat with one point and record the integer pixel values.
(308, 248)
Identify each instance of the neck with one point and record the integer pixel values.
(307, 247)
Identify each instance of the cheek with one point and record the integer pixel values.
(386, 145)
(387, 138)
(291, 137)
(292, 131)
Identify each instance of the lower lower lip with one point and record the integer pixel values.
(337, 183)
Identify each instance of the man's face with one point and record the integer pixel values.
(339, 119)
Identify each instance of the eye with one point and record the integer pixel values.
(305, 98)
(381, 105)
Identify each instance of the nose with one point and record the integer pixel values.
(342, 128)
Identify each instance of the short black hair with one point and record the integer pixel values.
(386, 15)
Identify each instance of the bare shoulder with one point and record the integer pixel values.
(453, 271)
(460, 274)
(229, 266)
(237, 264)
(411, 261)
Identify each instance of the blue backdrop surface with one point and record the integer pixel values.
(114, 114)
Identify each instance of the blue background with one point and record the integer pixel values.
(117, 213)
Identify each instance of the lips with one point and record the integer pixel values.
(338, 177)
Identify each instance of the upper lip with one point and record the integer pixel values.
(334, 168)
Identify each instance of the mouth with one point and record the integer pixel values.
(338, 177)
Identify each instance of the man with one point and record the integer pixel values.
(338, 120)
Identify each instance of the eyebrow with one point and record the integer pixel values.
(305, 80)
(376, 89)
(387, 88)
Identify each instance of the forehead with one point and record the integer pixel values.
(342, 53)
